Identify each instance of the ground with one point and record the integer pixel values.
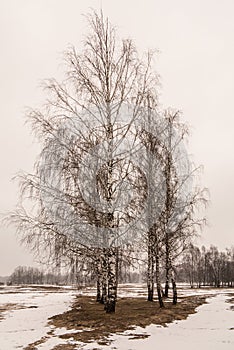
(60, 318)
(88, 315)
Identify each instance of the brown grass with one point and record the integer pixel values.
(87, 317)
(10, 307)
(231, 301)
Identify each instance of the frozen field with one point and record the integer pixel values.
(25, 312)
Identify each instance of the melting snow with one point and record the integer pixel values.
(212, 327)
(23, 326)
(209, 328)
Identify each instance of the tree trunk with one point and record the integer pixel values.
(174, 291)
(111, 251)
(98, 297)
(158, 282)
(166, 290)
(104, 277)
(150, 273)
(104, 292)
(112, 281)
(167, 268)
(99, 277)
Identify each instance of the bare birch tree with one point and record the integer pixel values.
(179, 220)
(85, 168)
(106, 176)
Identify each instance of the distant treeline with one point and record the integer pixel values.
(64, 276)
(197, 266)
(207, 267)
(33, 275)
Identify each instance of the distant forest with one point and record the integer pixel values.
(197, 266)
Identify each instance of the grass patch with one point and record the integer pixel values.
(231, 301)
(33, 346)
(90, 323)
(10, 307)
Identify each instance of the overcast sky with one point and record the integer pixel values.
(196, 64)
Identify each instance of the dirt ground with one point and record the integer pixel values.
(89, 321)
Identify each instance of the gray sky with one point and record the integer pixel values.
(196, 43)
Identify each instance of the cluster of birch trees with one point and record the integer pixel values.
(26, 275)
(78, 275)
(113, 182)
(208, 267)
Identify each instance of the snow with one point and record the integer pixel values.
(26, 325)
(209, 328)
(212, 327)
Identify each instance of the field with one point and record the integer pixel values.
(48, 317)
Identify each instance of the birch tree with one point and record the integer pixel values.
(88, 133)
(104, 178)
(151, 136)
(175, 223)
(183, 197)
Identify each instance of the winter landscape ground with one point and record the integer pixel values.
(25, 322)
